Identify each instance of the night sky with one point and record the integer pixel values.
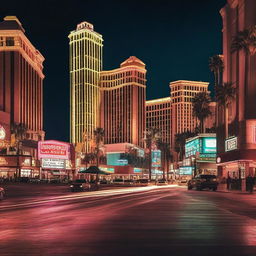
(173, 38)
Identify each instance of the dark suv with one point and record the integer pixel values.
(203, 181)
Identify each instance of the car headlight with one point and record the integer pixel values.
(81, 186)
(71, 186)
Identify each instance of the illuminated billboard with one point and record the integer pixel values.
(209, 145)
(51, 149)
(186, 170)
(192, 147)
(202, 145)
(156, 158)
(115, 159)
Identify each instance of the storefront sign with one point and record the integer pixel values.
(200, 145)
(2, 133)
(231, 144)
(51, 149)
(53, 163)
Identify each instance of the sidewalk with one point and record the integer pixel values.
(223, 189)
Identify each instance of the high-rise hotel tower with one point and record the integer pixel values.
(85, 65)
(123, 95)
(21, 81)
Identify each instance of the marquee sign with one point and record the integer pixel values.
(51, 149)
(231, 144)
(53, 163)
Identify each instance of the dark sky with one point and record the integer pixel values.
(173, 38)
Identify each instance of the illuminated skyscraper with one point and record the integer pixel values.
(158, 115)
(21, 101)
(85, 66)
(21, 81)
(123, 95)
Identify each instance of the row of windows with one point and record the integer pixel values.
(158, 106)
(85, 35)
(17, 41)
(116, 76)
(122, 81)
(190, 88)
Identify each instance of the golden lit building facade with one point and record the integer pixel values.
(182, 93)
(21, 101)
(158, 115)
(85, 66)
(123, 95)
(21, 81)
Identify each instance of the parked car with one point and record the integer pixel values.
(130, 182)
(2, 193)
(143, 182)
(118, 181)
(80, 185)
(203, 181)
(161, 182)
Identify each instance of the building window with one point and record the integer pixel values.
(9, 41)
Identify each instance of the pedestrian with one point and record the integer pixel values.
(228, 182)
(250, 183)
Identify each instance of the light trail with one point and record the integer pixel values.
(90, 194)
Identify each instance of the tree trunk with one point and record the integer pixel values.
(163, 164)
(150, 163)
(226, 121)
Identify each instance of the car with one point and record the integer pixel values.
(2, 193)
(80, 185)
(143, 182)
(182, 182)
(118, 181)
(161, 182)
(128, 182)
(203, 181)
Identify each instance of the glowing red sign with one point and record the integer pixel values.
(52, 149)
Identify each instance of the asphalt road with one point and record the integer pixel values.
(139, 221)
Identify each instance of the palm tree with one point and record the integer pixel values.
(246, 41)
(99, 142)
(166, 156)
(216, 65)
(180, 141)
(151, 137)
(201, 108)
(225, 94)
(19, 132)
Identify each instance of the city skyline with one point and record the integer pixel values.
(121, 40)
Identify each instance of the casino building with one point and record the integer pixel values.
(237, 132)
(123, 95)
(21, 101)
(158, 115)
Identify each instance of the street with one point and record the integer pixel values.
(130, 221)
